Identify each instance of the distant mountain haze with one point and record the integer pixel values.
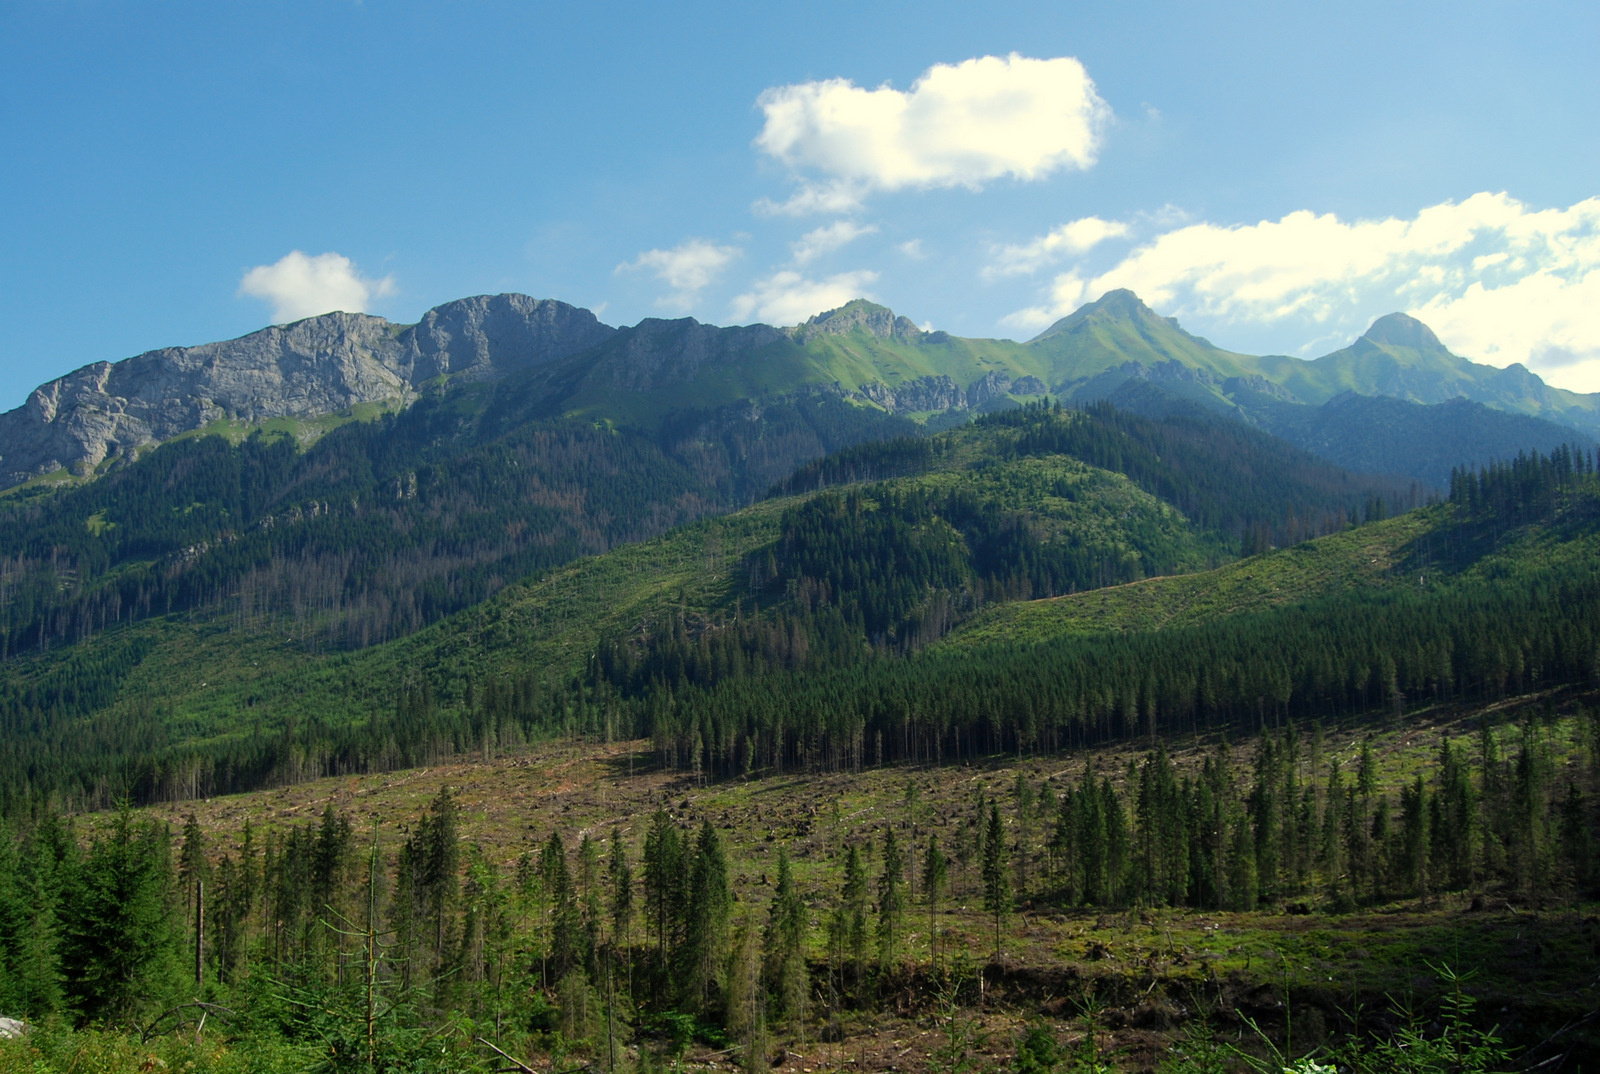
(1437, 409)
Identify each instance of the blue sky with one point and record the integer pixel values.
(1275, 175)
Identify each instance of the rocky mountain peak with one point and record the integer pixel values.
(491, 335)
(860, 314)
(1401, 330)
(313, 367)
(1118, 305)
(1121, 302)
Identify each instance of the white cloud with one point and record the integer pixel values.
(1029, 320)
(1498, 281)
(959, 125)
(1548, 321)
(299, 286)
(828, 238)
(687, 268)
(912, 248)
(1068, 240)
(815, 199)
(787, 297)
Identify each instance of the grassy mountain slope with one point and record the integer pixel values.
(1119, 328)
(1399, 356)
(686, 382)
(996, 510)
(1084, 355)
(1362, 558)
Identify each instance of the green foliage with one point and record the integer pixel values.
(708, 917)
(996, 877)
(1458, 1046)
(961, 1033)
(1038, 1052)
(783, 947)
(119, 944)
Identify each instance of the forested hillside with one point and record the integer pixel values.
(382, 526)
(1061, 588)
(834, 587)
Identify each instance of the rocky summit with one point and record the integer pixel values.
(559, 361)
(317, 366)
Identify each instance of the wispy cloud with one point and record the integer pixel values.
(1068, 240)
(961, 124)
(828, 238)
(687, 269)
(815, 199)
(789, 297)
(300, 286)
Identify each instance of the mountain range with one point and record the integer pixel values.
(1394, 401)
(541, 563)
(312, 549)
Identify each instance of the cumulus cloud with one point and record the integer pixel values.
(299, 286)
(961, 124)
(788, 297)
(687, 269)
(1498, 281)
(1548, 321)
(828, 238)
(1068, 240)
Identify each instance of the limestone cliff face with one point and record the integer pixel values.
(492, 335)
(313, 367)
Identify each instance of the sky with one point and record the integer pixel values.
(1274, 175)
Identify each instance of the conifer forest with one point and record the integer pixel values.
(1064, 739)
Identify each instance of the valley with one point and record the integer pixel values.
(843, 696)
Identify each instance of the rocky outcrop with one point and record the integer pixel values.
(317, 366)
(867, 316)
(494, 335)
(942, 393)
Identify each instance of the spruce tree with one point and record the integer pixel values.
(1118, 844)
(745, 1006)
(710, 904)
(193, 867)
(590, 901)
(852, 913)
(891, 903)
(1411, 865)
(996, 878)
(566, 919)
(30, 973)
(663, 881)
(784, 963)
(621, 877)
(119, 947)
(1023, 796)
(935, 878)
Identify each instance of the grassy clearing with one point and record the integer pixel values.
(1150, 969)
(1363, 557)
